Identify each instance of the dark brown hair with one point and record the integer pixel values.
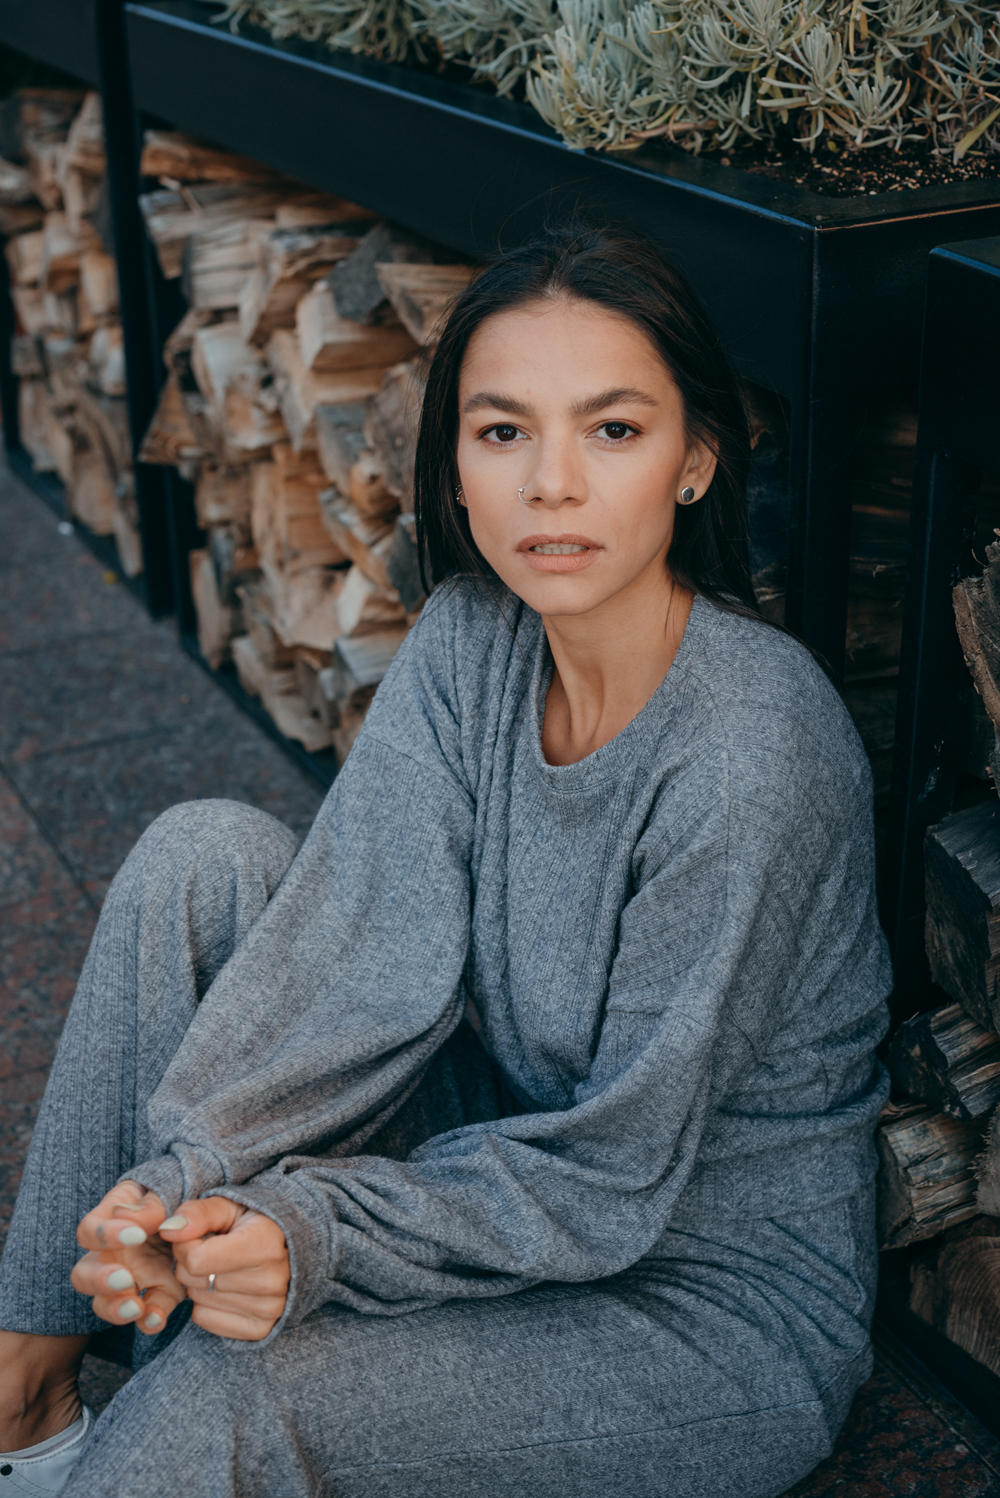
(615, 268)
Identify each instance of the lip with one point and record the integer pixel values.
(573, 563)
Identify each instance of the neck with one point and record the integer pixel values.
(609, 662)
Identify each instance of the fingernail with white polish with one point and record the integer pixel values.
(153, 1320)
(129, 1310)
(173, 1223)
(131, 1236)
(120, 1279)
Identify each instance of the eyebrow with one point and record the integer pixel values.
(493, 400)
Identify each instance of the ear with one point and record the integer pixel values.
(699, 467)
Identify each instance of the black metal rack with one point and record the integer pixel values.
(86, 38)
(818, 298)
(959, 435)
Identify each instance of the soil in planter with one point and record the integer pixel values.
(848, 174)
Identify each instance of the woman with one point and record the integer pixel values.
(625, 1239)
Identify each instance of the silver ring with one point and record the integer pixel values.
(520, 495)
(211, 1283)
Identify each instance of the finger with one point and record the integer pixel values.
(99, 1274)
(226, 1324)
(253, 1242)
(192, 1220)
(260, 1280)
(126, 1217)
(252, 1307)
(120, 1310)
(156, 1308)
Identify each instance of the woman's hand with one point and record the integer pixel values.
(130, 1281)
(245, 1253)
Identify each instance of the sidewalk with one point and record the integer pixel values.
(104, 723)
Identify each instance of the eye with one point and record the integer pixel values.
(504, 433)
(616, 431)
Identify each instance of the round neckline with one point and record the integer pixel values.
(605, 761)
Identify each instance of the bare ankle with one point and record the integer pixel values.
(38, 1387)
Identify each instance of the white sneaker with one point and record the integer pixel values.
(44, 1469)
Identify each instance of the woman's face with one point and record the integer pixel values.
(572, 405)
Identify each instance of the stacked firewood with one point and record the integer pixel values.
(68, 350)
(939, 1142)
(291, 403)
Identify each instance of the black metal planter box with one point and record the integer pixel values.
(85, 38)
(818, 298)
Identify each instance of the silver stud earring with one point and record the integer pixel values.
(687, 495)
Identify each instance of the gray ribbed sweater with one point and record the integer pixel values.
(672, 945)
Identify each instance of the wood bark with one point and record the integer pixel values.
(947, 1061)
(957, 1289)
(357, 291)
(988, 1170)
(392, 423)
(340, 440)
(289, 263)
(402, 563)
(962, 877)
(926, 1180)
(977, 615)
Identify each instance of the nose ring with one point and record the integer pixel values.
(520, 495)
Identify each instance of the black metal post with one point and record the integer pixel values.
(140, 359)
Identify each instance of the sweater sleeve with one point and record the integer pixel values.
(326, 1017)
(732, 907)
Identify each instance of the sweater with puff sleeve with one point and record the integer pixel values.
(672, 946)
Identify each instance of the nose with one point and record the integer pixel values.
(557, 478)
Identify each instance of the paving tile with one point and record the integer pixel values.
(59, 597)
(30, 529)
(26, 858)
(97, 801)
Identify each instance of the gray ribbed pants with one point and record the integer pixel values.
(690, 1376)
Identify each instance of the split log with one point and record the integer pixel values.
(26, 358)
(304, 605)
(422, 295)
(21, 220)
(61, 314)
(947, 1061)
(172, 217)
(223, 497)
(363, 608)
(128, 537)
(107, 417)
(64, 367)
(402, 564)
(339, 441)
(366, 542)
(926, 1180)
(258, 619)
(359, 665)
(330, 342)
(279, 693)
(106, 357)
(356, 288)
(85, 142)
(15, 184)
(962, 880)
(29, 304)
(215, 619)
(171, 153)
(46, 112)
(977, 615)
(988, 1170)
(170, 440)
(289, 262)
(33, 423)
(392, 424)
(957, 1289)
(232, 377)
(236, 564)
(99, 283)
(301, 390)
(286, 518)
(90, 492)
(62, 246)
(24, 257)
(81, 198)
(216, 262)
(45, 164)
